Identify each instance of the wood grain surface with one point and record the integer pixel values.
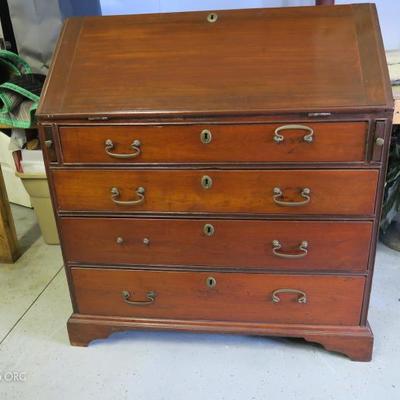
(253, 61)
(343, 192)
(163, 78)
(356, 342)
(236, 297)
(251, 143)
(332, 246)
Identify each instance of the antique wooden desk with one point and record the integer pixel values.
(190, 194)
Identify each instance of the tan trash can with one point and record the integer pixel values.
(37, 187)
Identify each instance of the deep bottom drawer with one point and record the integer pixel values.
(273, 298)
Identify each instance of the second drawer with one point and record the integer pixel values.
(291, 245)
(329, 192)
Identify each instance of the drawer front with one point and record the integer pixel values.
(317, 299)
(291, 245)
(341, 192)
(284, 142)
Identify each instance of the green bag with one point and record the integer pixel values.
(19, 91)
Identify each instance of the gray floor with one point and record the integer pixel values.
(34, 306)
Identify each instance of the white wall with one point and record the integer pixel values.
(389, 10)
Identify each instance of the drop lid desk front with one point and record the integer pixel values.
(220, 171)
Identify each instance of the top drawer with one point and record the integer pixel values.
(247, 143)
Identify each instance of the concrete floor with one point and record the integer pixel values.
(34, 307)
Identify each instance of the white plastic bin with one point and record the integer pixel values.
(37, 187)
(15, 189)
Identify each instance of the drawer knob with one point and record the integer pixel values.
(119, 240)
(278, 198)
(109, 145)
(211, 282)
(208, 229)
(146, 241)
(301, 296)
(308, 137)
(206, 182)
(126, 295)
(205, 136)
(379, 141)
(276, 246)
(139, 192)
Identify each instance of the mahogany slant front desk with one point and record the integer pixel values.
(220, 171)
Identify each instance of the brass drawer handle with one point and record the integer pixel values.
(109, 145)
(305, 193)
(302, 297)
(115, 195)
(308, 137)
(151, 297)
(276, 246)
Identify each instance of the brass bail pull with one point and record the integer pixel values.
(278, 198)
(276, 246)
(151, 297)
(115, 194)
(307, 138)
(301, 296)
(109, 145)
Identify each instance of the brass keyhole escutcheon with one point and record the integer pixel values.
(208, 229)
(212, 17)
(211, 282)
(205, 136)
(206, 182)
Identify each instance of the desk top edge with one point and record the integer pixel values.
(55, 103)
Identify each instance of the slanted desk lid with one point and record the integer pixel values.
(256, 61)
